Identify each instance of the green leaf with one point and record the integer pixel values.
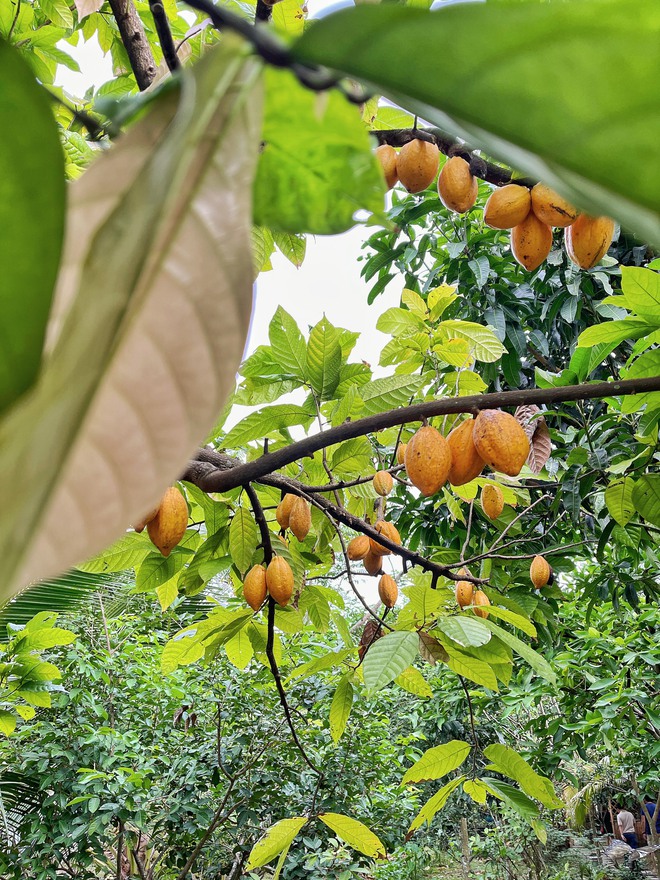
(262, 249)
(640, 289)
(468, 666)
(484, 344)
(239, 649)
(508, 762)
(619, 500)
(293, 247)
(287, 343)
(465, 630)
(47, 638)
(513, 797)
(646, 498)
(243, 539)
(340, 708)
(646, 365)
(127, 552)
(352, 457)
(435, 804)
(475, 789)
(7, 722)
(276, 839)
(388, 657)
(468, 68)
(32, 202)
(390, 393)
(536, 661)
(265, 423)
(413, 681)
(167, 593)
(355, 834)
(319, 664)
(399, 322)
(167, 198)
(157, 570)
(324, 359)
(614, 332)
(438, 761)
(516, 620)
(316, 167)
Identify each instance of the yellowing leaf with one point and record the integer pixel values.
(438, 761)
(355, 834)
(276, 839)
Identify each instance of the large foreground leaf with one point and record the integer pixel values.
(149, 322)
(564, 91)
(31, 219)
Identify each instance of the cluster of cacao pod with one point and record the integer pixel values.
(493, 438)
(275, 579)
(370, 552)
(294, 513)
(166, 524)
(467, 595)
(529, 214)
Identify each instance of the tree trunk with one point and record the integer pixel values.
(465, 849)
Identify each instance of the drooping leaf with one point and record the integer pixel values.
(276, 839)
(640, 292)
(646, 498)
(287, 343)
(413, 681)
(508, 762)
(619, 500)
(340, 708)
(467, 631)
(513, 797)
(316, 168)
(468, 68)
(140, 359)
(438, 761)
(434, 804)
(388, 657)
(536, 661)
(243, 539)
(32, 201)
(355, 834)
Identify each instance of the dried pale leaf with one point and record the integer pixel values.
(526, 416)
(148, 328)
(87, 7)
(540, 447)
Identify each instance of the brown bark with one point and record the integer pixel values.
(135, 42)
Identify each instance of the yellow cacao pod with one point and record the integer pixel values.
(401, 453)
(507, 206)
(492, 500)
(466, 463)
(481, 600)
(464, 592)
(387, 157)
(254, 587)
(144, 522)
(388, 591)
(551, 208)
(540, 572)
(372, 563)
(283, 511)
(531, 242)
(588, 240)
(417, 165)
(358, 547)
(383, 483)
(387, 530)
(457, 186)
(279, 580)
(300, 519)
(500, 441)
(169, 525)
(428, 460)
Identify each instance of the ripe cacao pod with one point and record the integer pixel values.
(492, 500)
(279, 580)
(169, 525)
(500, 441)
(388, 530)
(144, 522)
(508, 206)
(466, 463)
(531, 242)
(283, 511)
(387, 157)
(254, 587)
(464, 592)
(300, 519)
(383, 483)
(401, 453)
(588, 240)
(540, 572)
(551, 208)
(481, 600)
(428, 460)
(388, 591)
(417, 165)
(457, 187)
(358, 547)
(372, 563)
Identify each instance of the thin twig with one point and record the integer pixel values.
(164, 35)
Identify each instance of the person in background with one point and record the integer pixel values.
(626, 822)
(650, 806)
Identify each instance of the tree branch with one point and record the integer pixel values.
(230, 472)
(164, 35)
(135, 42)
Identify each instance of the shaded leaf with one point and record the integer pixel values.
(355, 834)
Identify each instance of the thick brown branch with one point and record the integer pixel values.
(495, 174)
(164, 35)
(135, 42)
(229, 473)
